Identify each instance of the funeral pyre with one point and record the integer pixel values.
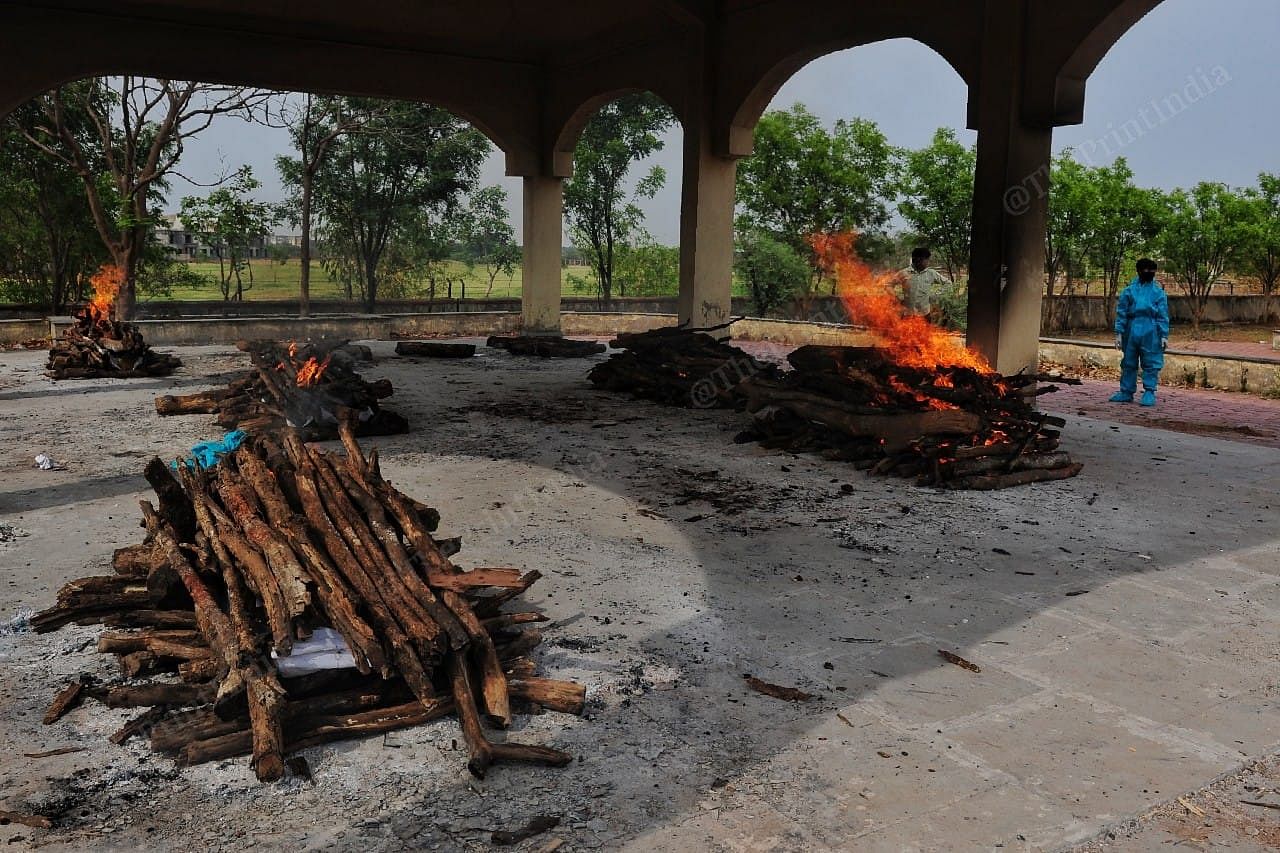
(98, 345)
(917, 405)
(280, 545)
(306, 386)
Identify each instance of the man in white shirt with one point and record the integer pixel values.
(921, 283)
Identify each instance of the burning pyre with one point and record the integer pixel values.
(245, 562)
(919, 404)
(310, 387)
(99, 345)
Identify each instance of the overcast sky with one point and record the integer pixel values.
(1228, 135)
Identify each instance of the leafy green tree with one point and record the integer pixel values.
(773, 270)
(648, 269)
(601, 216)
(1126, 221)
(315, 123)
(488, 240)
(48, 243)
(1072, 222)
(1261, 251)
(804, 179)
(395, 181)
(1205, 231)
(138, 127)
(232, 224)
(936, 186)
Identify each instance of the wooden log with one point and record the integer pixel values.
(545, 347)
(135, 561)
(202, 669)
(563, 696)
(150, 619)
(334, 592)
(138, 725)
(435, 349)
(140, 664)
(142, 695)
(67, 698)
(114, 642)
(988, 482)
(200, 403)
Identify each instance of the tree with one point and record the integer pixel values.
(315, 123)
(1126, 221)
(1205, 230)
(1261, 251)
(48, 244)
(773, 270)
(395, 181)
(1072, 222)
(804, 179)
(601, 217)
(488, 238)
(140, 127)
(646, 268)
(232, 224)
(936, 186)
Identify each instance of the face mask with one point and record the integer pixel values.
(1146, 276)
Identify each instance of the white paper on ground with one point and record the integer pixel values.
(324, 649)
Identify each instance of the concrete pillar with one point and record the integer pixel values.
(706, 231)
(543, 239)
(1011, 200)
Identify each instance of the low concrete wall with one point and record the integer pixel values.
(1090, 312)
(1254, 376)
(18, 331)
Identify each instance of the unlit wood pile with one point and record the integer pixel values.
(280, 539)
(99, 346)
(304, 386)
(679, 367)
(545, 347)
(435, 349)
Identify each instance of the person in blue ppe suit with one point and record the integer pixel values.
(1142, 334)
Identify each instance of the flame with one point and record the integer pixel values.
(293, 349)
(106, 286)
(311, 371)
(909, 340)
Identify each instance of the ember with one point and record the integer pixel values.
(98, 345)
(280, 541)
(298, 385)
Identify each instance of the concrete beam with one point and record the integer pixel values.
(706, 231)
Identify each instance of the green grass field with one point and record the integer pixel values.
(273, 280)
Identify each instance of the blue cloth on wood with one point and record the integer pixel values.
(207, 453)
(1142, 322)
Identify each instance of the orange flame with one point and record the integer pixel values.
(106, 286)
(293, 348)
(909, 340)
(311, 371)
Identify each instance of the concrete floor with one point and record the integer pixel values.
(1125, 623)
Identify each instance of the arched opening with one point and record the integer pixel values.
(1176, 128)
(621, 156)
(873, 139)
(227, 210)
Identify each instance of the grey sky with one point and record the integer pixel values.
(1227, 135)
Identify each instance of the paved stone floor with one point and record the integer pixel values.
(1124, 622)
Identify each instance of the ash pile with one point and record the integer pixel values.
(299, 598)
(955, 427)
(309, 387)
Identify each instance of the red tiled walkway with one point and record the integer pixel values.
(1228, 349)
(1219, 414)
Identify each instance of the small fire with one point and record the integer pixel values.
(106, 286)
(293, 349)
(311, 371)
(909, 340)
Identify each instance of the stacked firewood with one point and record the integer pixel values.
(244, 562)
(305, 386)
(679, 367)
(545, 347)
(946, 426)
(99, 346)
